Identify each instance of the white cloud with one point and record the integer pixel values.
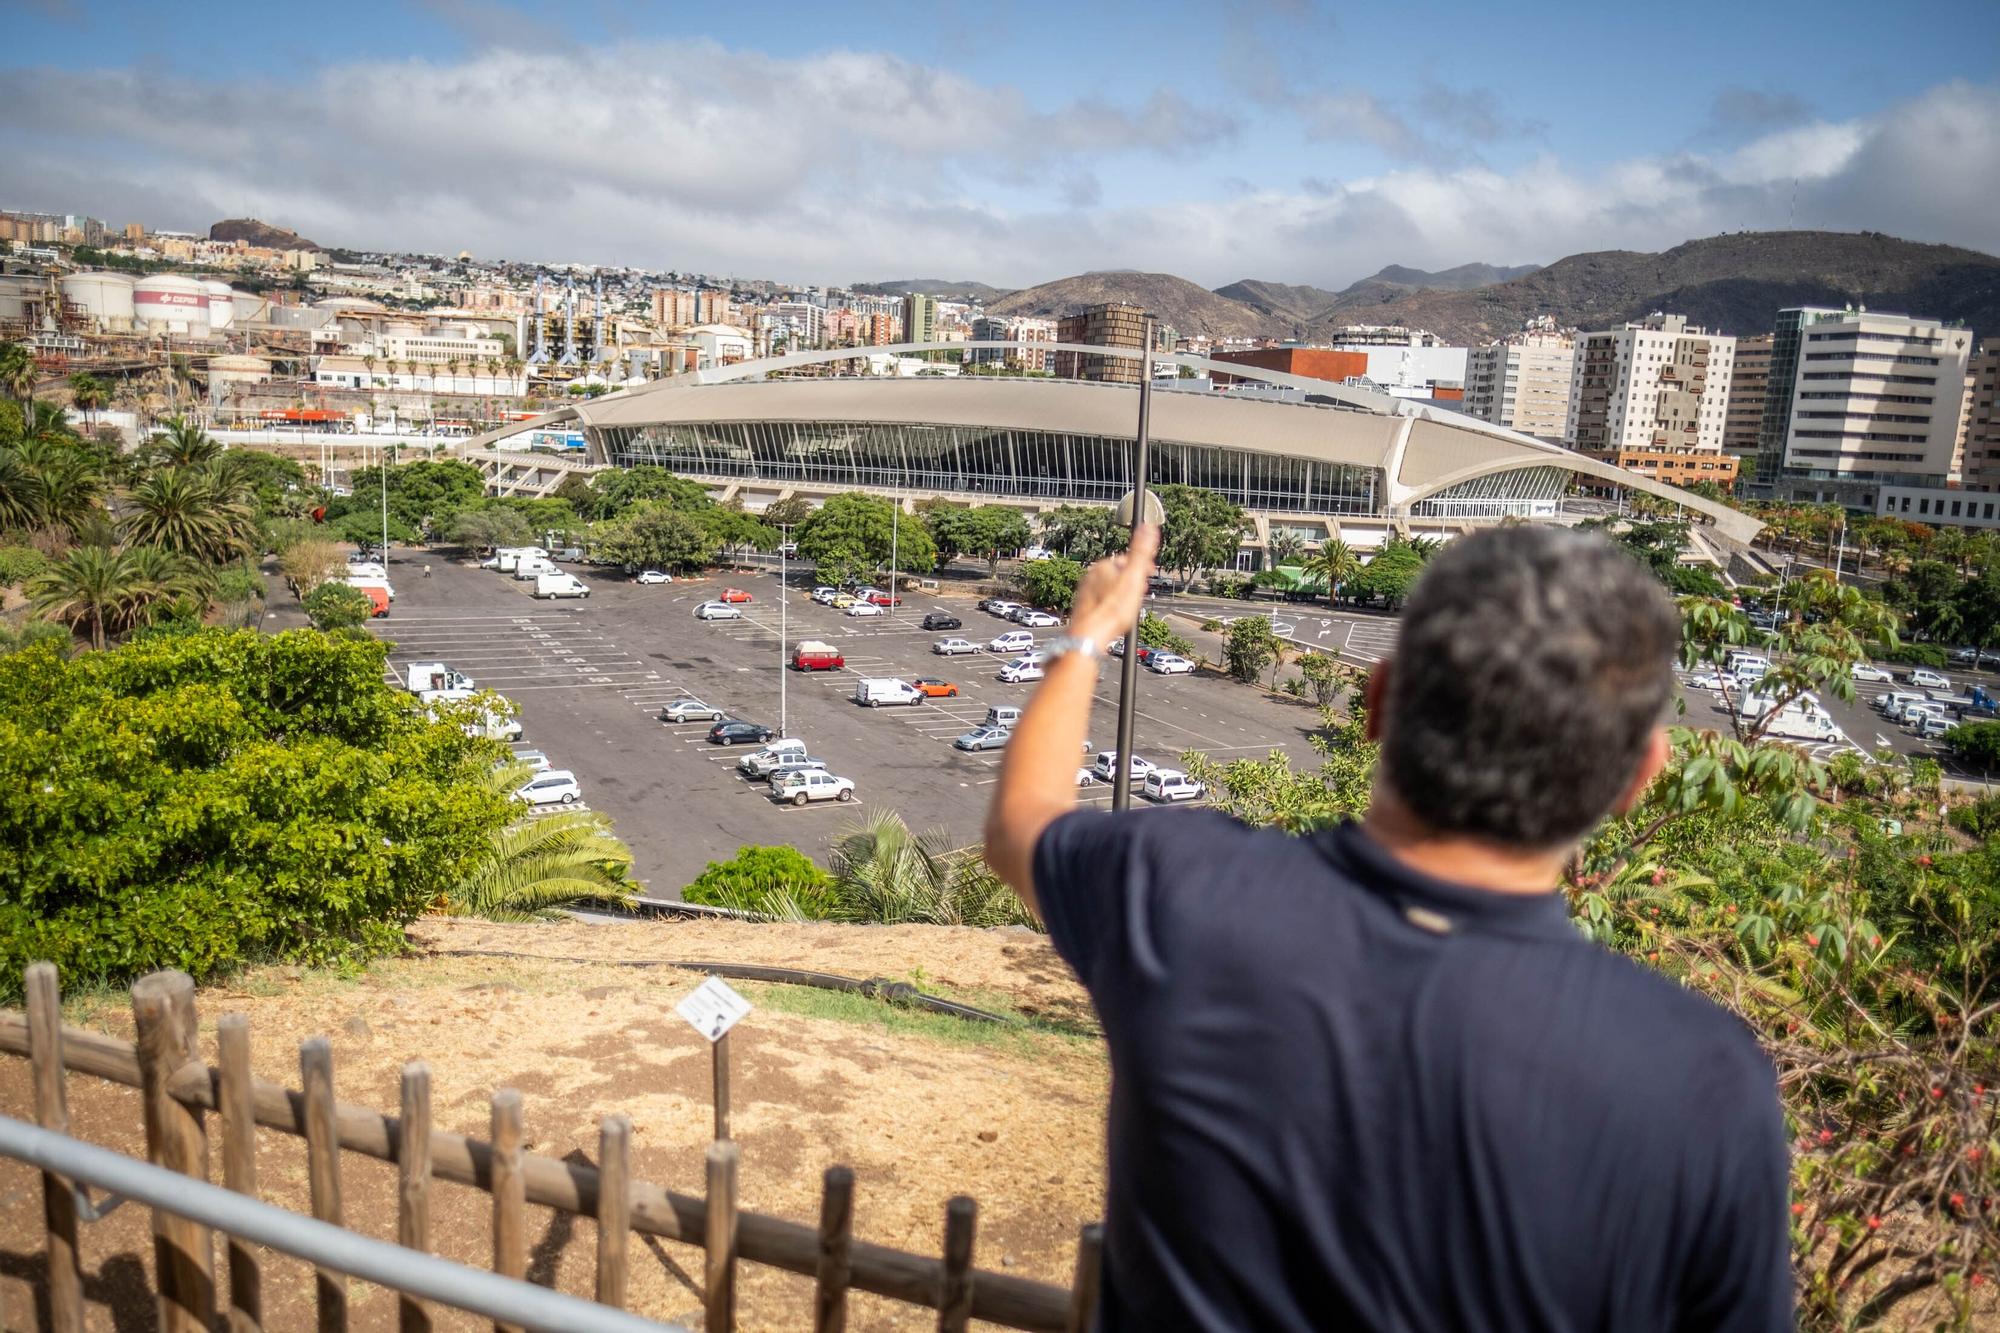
(853, 165)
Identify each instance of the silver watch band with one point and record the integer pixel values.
(1074, 645)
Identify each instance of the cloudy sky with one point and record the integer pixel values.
(1009, 141)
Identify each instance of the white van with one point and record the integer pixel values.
(1892, 702)
(1022, 669)
(873, 693)
(428, 676)
(561, 585)
(534, 566)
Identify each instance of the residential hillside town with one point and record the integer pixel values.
(1887, 412)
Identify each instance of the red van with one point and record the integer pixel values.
(814, 656)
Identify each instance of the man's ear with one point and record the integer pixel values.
(1375, 696)
(1651, 761)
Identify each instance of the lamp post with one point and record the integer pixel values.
(784, 623)
(382, 460)
(1128, 665)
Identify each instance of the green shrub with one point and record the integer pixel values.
(204, 799)
(240, 583)
(18, 564)
(1228, 585)
(770, 881)
(1981, 819)
(1915, 654)
(337, 606)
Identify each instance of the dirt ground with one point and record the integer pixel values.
(921, 1107)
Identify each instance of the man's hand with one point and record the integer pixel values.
(1112, 590)
(1038, 772)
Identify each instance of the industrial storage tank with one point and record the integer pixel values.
(105, 298)
(170, 303)
(221, 309)
(239, 369)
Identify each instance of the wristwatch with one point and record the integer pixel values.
(1072, 643)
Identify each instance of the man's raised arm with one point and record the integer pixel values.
(1038, 773)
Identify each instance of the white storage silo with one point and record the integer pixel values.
(170, 303)
(221, 309)
(105, 298)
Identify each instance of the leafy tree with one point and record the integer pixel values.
(652, 534)
(309, 562)
(850, 535)
(1084, 533)
(582, 498)
(338, 606)
(1325, 676)
(1270, 791)
(488, 529)
(433, 491)
(268, 478)
(788, 512)
(985, 530)
(1203, 530)
(18, 564)
(538, 865)
(1250, 646)
(1976, 744)
(363, 527)
(779, 882)
(1392, 573)
(202, 800)
(1052, 583)
(621, 488)
(1156, 632)
(730, 528)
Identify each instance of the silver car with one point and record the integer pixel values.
(691, 710)
(983, 738)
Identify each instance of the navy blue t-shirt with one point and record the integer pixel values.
(1348, 1095)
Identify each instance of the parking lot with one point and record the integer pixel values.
(590, 677)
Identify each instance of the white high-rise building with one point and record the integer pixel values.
(1656, 384)
(1522, 382)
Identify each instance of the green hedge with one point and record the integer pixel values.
(1916, 654)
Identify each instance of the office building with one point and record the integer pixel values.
(1522, 382)
(1111, 325)
(1858, 400)
(1651, 398)
(1743, 414)
(798, 324)
(1011, 328)
(1982, 420)
(1319, 363)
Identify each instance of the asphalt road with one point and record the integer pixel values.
(590, 677)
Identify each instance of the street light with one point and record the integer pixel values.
(1128, 665)
(784, 622)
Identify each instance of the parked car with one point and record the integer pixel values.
(1933, 727)
(986, 603)
(735, 595)
(876, 691)
(717, 611)
(983, 738)
(942, 620)
(840, 601)
(651, 576)
(1869, 671)
(1004, 715)
(1926, 679)
(954, 647)
(1022, 669)
(1013, 641)
(760, 763)
(934, 688)
(691, 709)
(866, 609)
(1002, 608)
(811, 784)
(1085, 778)
(1170, 784)
(535, 760)
(812, 655)
(1967, 656)
(1706, 679)
(1116, 647)
(1038, 553)
(735, 731)
(1168, 664)
(876, 597)
(1039, 619)
(788, 548)
(1106, 765)
(556, 787)
(825, 595)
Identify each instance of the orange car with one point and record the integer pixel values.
(733, 595)
(934, 688)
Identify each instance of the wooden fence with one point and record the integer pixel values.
(179, 1091)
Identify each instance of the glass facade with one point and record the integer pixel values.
(973, 459)
(1528, 492)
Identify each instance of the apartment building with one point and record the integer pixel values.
(1111, 325)
(799, 324)
(920, 318)
(1522, 382)
(1860, 399)
(1011, 328)
(1652, 398)
(1743, 415)
(1982, 420)
(677, 309)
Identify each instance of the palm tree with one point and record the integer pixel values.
(185, 444)
(92, 586)
(68, 485)
(1335, 562)
(368, 363)
(20, 491)
(533, 868)
(88, 393)
(1284, 547)
(18, 374)
(160, 579)
(187, 511)
(884, 873)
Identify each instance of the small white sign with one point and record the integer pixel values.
(712, 1008)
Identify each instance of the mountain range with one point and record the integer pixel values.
(253, 232)
(1732, 284)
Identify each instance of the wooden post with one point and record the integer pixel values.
(323, 1172)
(413, 1184)
(721, 1238)
(836, 1246)
(961, 1216)
(1083, 1285)
(238, 1104)
(52, 1113)
(183, 1257)
(614, 1208)
(510, 1198)
(719, 1053)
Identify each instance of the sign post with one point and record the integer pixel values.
(711, 1009)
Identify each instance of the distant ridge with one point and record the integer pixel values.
(1188, 307)
(943, 289)
(252, 232)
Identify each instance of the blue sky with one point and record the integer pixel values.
(1011, 142)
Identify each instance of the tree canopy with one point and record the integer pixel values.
(849, 537)
(1203, 530)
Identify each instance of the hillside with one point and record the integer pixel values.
(1732, 283)
(944, 289)
(1300, 307)
(252, 232)
(1188, 308)
(1280, 301)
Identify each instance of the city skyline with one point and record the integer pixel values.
(1007, 147)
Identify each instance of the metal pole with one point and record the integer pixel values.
(1128, 666)
(784, 622)
(382, 459)
(895, 526)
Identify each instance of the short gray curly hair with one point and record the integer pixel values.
(1532, 666)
